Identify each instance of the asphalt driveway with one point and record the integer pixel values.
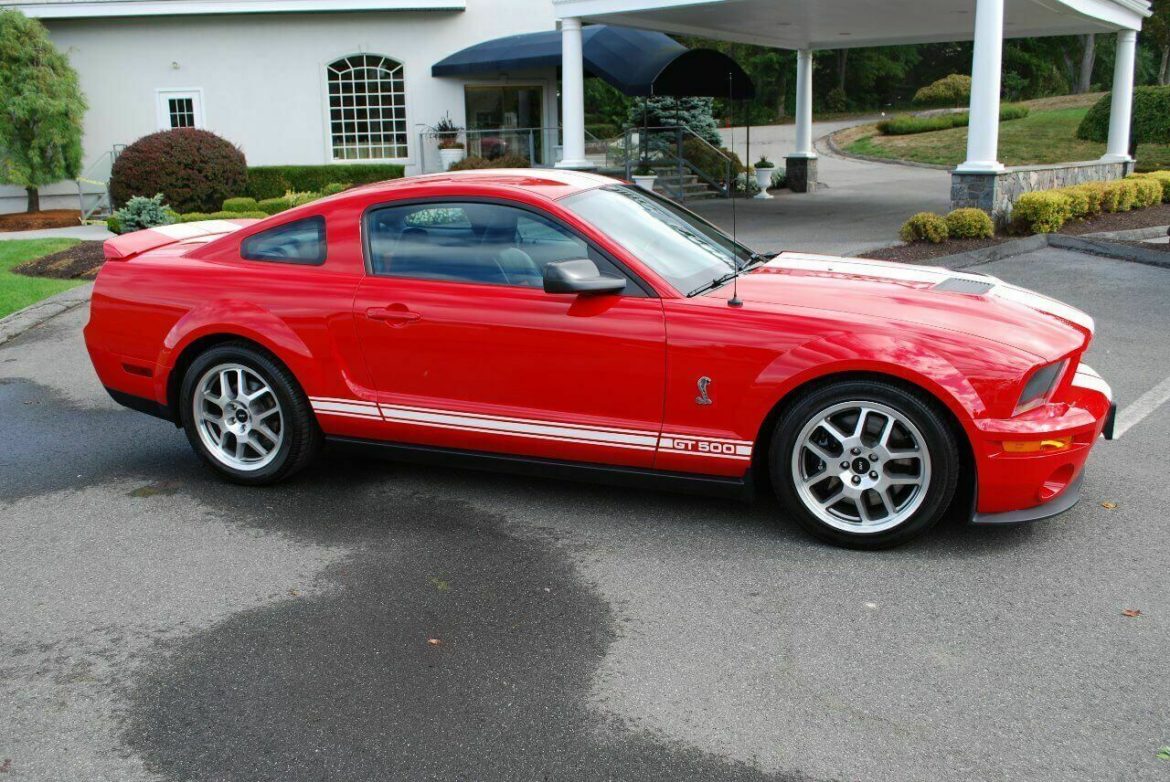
(381, 621)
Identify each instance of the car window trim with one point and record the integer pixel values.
(318, 261)
(367, 262)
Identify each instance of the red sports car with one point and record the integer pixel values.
(564, 323)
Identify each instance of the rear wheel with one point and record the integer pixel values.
(246, 416)
(864, 464)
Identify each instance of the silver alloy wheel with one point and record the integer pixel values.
(238, 417)
(861, 467)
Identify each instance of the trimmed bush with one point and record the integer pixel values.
(1094, 195)
(239, 204)
(274, 181)
(1149, 191)
(333, 188)
(1042, 212)
(113, 224)
(969, 223)
(474, 162)
(908, 124)
(297, 199)
(925, 227)
(1151, 117)
(271, 206)
(1080, 202)
(196, 217)
(953, 90)
(193, 169)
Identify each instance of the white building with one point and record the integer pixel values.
(271, 76)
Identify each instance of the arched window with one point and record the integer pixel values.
(367, 108)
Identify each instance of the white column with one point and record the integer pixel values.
(1121, 109)
(572, 96)
(983, 130)
(804, 88)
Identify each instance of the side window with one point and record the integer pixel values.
(301, 241)
(473, 242)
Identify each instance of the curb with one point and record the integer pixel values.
(831, 141)
(33, 315)
(1093, 244)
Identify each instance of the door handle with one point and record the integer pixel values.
(394, 315)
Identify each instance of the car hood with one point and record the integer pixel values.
(975, 304)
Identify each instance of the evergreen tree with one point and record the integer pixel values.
(41, 107)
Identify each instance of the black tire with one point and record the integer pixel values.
(922, 509)
(300, 435)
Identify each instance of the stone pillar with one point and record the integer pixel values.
(801, 165)
(1120, 112)
(572, 96)
(983, 129)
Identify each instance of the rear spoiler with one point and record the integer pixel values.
(126, 246)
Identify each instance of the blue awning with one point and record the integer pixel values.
(636, 62)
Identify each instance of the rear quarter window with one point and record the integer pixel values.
(301, 241)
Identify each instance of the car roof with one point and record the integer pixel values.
(551, 183)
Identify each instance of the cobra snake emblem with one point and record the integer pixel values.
(702, 398)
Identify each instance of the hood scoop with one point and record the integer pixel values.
(960, 285)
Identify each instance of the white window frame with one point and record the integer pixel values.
(162, 106)
(328, 114)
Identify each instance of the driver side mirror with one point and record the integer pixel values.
(580, 276)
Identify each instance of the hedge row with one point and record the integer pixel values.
(908, 124)
(195, 217)
(964, 223)
(275, 181)
(1151, 117)
(1047, 211)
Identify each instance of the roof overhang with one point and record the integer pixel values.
(636, 62)
(839, 24)
(89, 9)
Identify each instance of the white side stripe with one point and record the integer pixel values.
(613, 437)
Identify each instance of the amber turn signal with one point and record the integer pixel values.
(1036, 446)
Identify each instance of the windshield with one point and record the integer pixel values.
(685, 250)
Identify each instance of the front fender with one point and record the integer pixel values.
(236, 318)
(906, 359)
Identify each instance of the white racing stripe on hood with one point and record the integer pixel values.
(924, 274)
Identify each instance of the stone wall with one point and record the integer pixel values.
(997, 192)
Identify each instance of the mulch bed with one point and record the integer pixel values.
(79, 262)
(35, 221)
(921, 252)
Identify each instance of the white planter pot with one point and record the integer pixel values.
(451, 156)
(764, 180)
(645, 182)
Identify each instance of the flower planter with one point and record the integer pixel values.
(646, 182)
(451, 155)
(764, 180)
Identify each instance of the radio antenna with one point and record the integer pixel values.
(734, 301)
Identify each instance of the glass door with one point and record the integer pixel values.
(505, 120)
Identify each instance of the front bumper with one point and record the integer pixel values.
(1016, 486)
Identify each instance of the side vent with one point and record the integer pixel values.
(959, 285)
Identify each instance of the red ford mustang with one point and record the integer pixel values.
(563, 323)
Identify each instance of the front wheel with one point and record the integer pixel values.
(864, 464)
(246, 416)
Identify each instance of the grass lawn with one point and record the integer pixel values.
(1041, 137)
(16, 290)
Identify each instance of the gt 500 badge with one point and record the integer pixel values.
(735, 449)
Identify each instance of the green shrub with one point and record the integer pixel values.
(297, 199)
(274, 181)
(474, 162)
(1151, 117)
(1094, 195)
(113, 224)
(333, 188)
(1042, 212)
(925, 227)
(193, 217)
(271, 206)
(711, 161)
(908, 124)
(142, 212)
(240, 204)
(1148, 191)
(603, 130)
(1162, 178)
(1080, 202)
(1119, 196)
(953, 90)
(197, 217)
(969, 223)
(193, 169)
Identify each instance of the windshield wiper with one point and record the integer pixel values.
(715, 283)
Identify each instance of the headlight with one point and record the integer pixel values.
(1038, 387)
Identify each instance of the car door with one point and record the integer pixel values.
(467, 351)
